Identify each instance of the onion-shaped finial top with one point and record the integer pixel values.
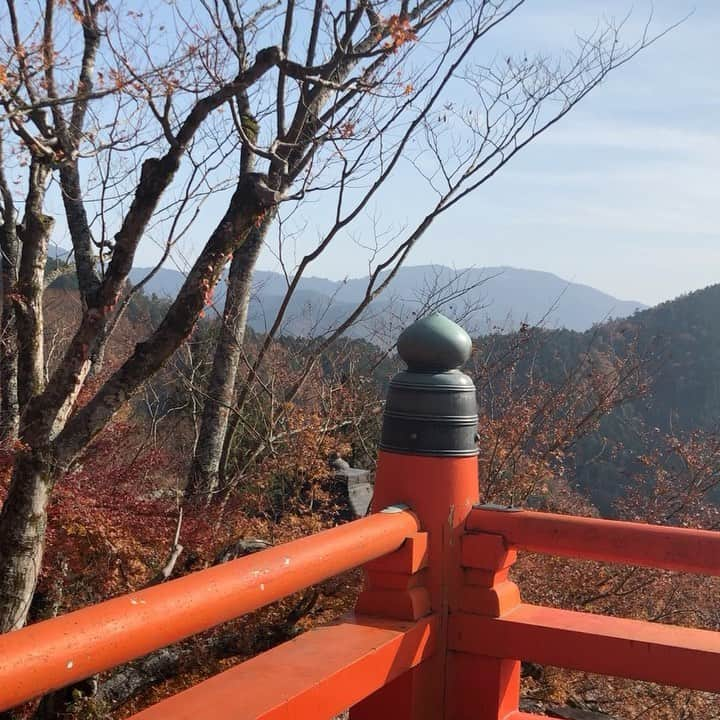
(434, 344)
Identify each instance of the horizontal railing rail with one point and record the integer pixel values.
(630, 543)
(58, 652)
(317, 675)
(635, 649)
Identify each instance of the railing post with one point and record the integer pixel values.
(482, 687)
(427, 461)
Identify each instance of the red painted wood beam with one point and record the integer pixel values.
(670, 548)
(318, 674)
(59, 652)
(666, 654)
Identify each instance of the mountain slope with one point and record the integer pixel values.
(486, 298)
(679, 343)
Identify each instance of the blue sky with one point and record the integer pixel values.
(623, 193)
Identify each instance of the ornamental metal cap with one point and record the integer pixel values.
(434, 344)
(431, 407)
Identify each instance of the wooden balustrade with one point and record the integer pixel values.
(441, 628)
(496, 624)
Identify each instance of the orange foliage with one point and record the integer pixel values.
(401, 32)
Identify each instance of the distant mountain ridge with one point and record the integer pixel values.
(486, 299)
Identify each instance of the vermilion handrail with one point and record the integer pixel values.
(316, 675)
(58, 652)
(636, 649)
(668, 548)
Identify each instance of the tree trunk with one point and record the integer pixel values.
(9, 408)
(22, 536)
(23, 517)
(251, 201)
(36, 231)
(69, 404)
(204, 474)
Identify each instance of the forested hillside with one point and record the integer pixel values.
(672, 352)
(677, 346)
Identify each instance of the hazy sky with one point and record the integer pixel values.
(623, 193)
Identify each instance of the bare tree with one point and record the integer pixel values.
(130, 134)
(369, 120)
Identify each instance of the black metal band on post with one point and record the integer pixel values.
(431, 407)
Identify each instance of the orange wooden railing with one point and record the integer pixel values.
(59, 652)
(666, 654)
(439, 630)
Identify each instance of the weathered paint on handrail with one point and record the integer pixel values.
(319, 674)
(669, 548)
(666, 654)
(58, 652)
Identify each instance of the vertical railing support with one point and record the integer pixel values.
(481, 687)
(427, 461)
